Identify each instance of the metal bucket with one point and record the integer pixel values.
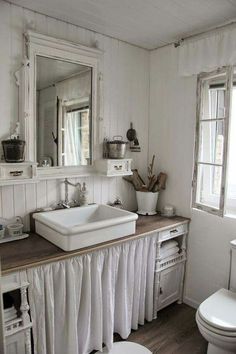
(117, 147)
(14, 150)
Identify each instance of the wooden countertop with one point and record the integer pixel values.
(35, 250)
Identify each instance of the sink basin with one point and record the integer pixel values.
(76, 228)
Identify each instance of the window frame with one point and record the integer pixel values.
(228, 71)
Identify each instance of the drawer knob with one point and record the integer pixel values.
(173, 231)
(16, 173)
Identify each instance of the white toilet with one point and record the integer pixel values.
(216, 316)
(126, 348)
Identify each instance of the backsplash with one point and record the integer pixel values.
(20, 200)
(126, 91)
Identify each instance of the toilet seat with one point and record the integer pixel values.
(126, 348)
(214, 330)
(217, 313)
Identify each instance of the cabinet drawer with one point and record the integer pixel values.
(112, 167)
(10, 172)
(12, 282)
(173, 232)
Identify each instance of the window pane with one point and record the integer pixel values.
(209, 185)
(213, 97)
(211, 142)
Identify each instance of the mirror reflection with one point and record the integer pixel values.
(63, 101)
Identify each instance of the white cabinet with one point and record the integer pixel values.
(16, 338)
(15, 344)
(169, 272)
(170, 286)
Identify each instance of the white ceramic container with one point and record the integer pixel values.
(15, 229)
(147, 202)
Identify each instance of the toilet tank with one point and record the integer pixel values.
(233, 266)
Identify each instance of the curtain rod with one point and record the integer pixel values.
(201, 34)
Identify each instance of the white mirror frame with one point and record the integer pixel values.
(39, 44)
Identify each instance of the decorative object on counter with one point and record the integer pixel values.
(14, 150)
(15, 228)
(11, 230)
(83, 195)
(45, 161)
(147, 193)
(117, 203)
(168, 211)
(132, 137)
(117, 147)
(2, 231)
(147, 202)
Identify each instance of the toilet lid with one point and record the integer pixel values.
(219, 310)
(126, 348)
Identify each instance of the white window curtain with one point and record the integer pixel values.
(72, 139)
(78, 86)
(77, 304)
(208, 52)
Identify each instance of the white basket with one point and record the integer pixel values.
(170, 262)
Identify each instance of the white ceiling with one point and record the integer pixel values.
(50, 71)
(147, 23)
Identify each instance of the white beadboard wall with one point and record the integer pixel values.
(173, 99)
(126, 96)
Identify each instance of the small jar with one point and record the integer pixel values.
(15, 229)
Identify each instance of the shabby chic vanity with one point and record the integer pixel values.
(155, 283)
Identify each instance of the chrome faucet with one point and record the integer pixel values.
(66, 203)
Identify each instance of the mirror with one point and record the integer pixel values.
(60, 108)
(63, 113)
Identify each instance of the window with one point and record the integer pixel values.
(214, 181)
(75, 133)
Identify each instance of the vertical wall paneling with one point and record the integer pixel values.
(125, 71)
(41, 194)
(30, 201)
(8, 202)
(52, 191)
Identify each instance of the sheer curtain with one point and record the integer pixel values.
(72, 139)
(208, 52)
(77, 304)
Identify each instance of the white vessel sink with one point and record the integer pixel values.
(76, 228)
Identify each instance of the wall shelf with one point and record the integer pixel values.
(113, 167)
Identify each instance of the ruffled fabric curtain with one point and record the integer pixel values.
(209, 52)
(77, 304)
(78, 86)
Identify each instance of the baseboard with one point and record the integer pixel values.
(190, 302)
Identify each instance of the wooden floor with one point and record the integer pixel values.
(173, 332)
